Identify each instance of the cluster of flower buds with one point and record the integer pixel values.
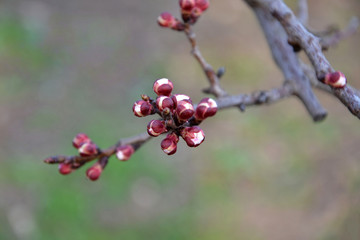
(335, 79)
(89, 151)
(178, 115)
(191, 10)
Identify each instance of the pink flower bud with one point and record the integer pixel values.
(80, 139)
(166, 20)
(156, 127)
(88, 149)
(187, 5)
(202, 4)
(168, 146)
(65, 168)
(206, 108)
(196, 13)
(142, 108)
(193, 136)
(163, 87)
(173, 136)
(124, 152)
(336, 79)
(163, 102)
(184, 110)
(94, 172)
(179, 97)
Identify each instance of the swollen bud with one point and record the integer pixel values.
(80, 139)
(156, 128)
(65, 168)
(163, 102)
(142, 108)
(207, 107)
(169, 146)
(166, 20)
(94, 172)
(193, 136)
(163, 87)
(187, 5)
(124, 152)
(335, 79)
(202, 4)
(179, 97)
(184, 110)
(88, 149)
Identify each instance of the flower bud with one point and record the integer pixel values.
(80, 139)
(179, 97)
(94, 172)
(206, 108)
(187, 5)
(169, 146)
(195, 14)
(202, 4)
(88, 149)
(156, 128)
(163, 87)
(193, 136)
(335, 79)
(184, 110)
(173, 136)
(163, 102)
(65, 168)
(142, 108)
(166, 20)
(124, 152)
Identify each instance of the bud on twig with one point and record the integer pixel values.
(163, 102)
(124, 152)
(184, 110)
(156, 128)
(202, 4)
(187, 5)
(65, 168)
(166, 20)
(206, 108)
(80, 139)
(193, 136)
(94, 172)
(163, 87)
(142, 108)
(169, 145)
(335, 79)
(179, 97)
(88, 149)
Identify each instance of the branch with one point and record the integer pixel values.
(212, 77)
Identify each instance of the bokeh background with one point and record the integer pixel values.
(78, 65)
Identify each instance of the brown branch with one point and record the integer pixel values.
(211, 75)
(333, 39)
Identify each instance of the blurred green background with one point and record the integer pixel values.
(78, 65)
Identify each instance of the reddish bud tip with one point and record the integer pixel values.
(179, 97)
(142, 108)
(187, 5)
(169, 146)
(94, 172)
(336, 79)
(163, 102)
(202, 4)
(80, 139)
(166, 20)
(156, 128)
(124, 152)
(206, 108)
(88, 149)
(193, 136)
(163, 87)
(184, 110)
(173, 136)
(65, 168)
